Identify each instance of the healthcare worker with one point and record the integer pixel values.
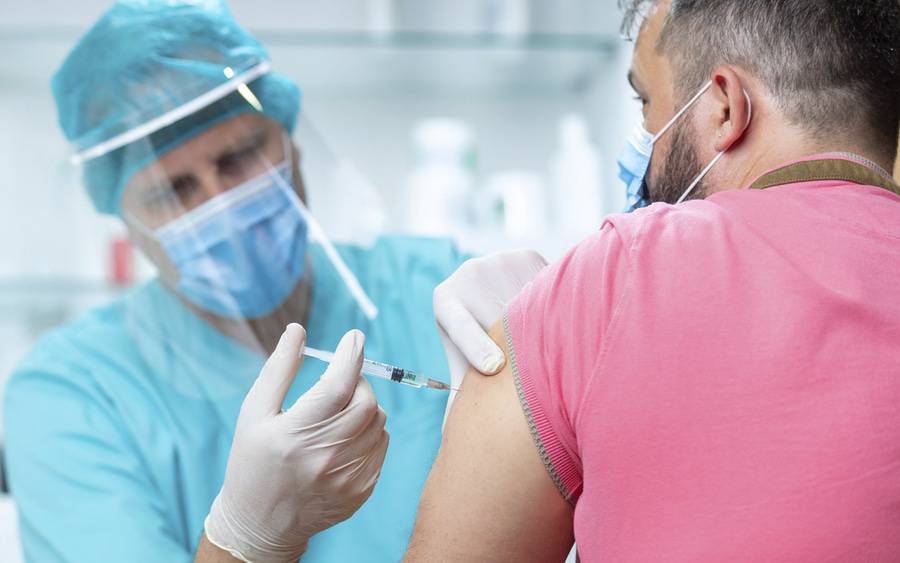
(120, 425)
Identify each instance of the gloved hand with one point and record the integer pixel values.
(470, 301)
(292, 474)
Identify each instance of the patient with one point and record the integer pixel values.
(716, 380)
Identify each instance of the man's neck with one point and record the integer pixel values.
(771, 154)
(262, 334)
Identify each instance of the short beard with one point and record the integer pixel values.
(680, 168)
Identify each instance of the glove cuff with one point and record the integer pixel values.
(245, 544)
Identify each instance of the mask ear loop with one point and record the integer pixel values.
(678, 115)
(353, 286)
(718, 157)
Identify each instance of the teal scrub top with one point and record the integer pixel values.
(119, 425)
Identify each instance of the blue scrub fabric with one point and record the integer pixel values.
(119, 425)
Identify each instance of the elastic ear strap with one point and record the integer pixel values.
(686, 107)
(697, 180)
(749, 111)
(709, 166)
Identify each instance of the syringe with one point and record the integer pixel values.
(385, 371)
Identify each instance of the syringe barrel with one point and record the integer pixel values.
(394, 373)
(407, 377)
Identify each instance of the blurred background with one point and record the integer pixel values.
(467, 118)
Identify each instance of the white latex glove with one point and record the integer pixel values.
(470, 301)
(292, 474)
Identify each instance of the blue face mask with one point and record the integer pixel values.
(634, 160)
(240, 254)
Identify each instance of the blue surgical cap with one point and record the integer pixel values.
(142, 61)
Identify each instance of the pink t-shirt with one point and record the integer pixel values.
(720, 380)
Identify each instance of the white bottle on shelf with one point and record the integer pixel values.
(381, 17)
(442, 180)
(508, 18)
(575, 172)
(518, 199)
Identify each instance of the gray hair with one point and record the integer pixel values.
(832, 65)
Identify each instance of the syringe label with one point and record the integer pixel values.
(397, 374)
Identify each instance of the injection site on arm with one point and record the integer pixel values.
(489, 496)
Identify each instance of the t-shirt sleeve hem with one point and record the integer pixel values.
(562, 469)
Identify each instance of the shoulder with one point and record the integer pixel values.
(54, 394)
(664, 224)
(622, 237)
(573, 306)
(65, 360)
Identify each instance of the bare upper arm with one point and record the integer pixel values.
(489, 497)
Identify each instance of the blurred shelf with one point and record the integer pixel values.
(405, 39)
(37, 303)
(440, 64)
(51, 286)
(352, 63)
(46, 297)
(589, 43)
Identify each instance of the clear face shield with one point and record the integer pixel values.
(217, 204)
(222, 218)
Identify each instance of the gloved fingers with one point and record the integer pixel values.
(456, 361)
(531, 263)
(378, 453)
(365, 469)
(374, 461)
(468, 335)
(358, 445)
(268, 392)
(361, 474)
(360, 411)
(478, 287)
(338, 386)
(343, 427)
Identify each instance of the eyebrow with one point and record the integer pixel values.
(254, 141)
(257, 139)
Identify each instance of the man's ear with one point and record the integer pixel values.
(734, 107)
